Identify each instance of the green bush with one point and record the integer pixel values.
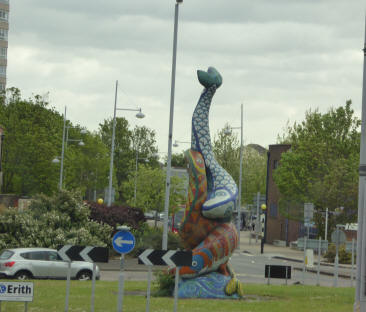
(344, 257)
(164, 284)
(52, 221)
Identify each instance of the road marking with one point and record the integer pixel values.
(247, 254)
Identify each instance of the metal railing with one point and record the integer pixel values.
(313, 244)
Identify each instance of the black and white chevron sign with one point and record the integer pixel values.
(83, 253)
(172, 258)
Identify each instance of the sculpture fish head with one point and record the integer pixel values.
(209, 78)
(200, 264)
(219, 204)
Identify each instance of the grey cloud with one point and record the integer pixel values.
(278, 57)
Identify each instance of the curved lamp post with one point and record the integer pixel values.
(176, 143)
(139, 115)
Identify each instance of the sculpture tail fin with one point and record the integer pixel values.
(209, 78)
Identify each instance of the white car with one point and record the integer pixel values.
(27, 263)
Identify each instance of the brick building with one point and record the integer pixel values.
(277, 226)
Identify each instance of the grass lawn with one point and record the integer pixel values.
(49, 296)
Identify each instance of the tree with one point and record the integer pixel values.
(127, 142)
(144, 144)
(178, 160)
(151, 189)
(321, 166)
(122, 158)
(226, 148)
(32, 140)
(254, 173)
(86, 167)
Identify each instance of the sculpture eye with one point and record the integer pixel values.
(194, 263)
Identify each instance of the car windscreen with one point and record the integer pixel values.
(6, 254)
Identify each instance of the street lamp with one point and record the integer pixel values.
(176, 143)
(169, 161)
(228, 131)
(139, 115)
(360, 296)
(65, 139)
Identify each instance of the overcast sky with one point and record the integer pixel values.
(279, 58)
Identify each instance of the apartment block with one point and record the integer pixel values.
(4, 28)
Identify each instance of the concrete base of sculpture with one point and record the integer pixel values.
(211, 285)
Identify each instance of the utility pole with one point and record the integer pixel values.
(326, 224)
(171, 117)
(360, 295)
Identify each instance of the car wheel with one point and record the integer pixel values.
(23, 275)
(84, 276)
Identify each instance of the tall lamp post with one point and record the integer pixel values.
(2, 135)
(360, 295)
(65, 139)
(238, 221)
(138, 115)
(169, 160)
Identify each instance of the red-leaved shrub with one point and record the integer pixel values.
(116, 215)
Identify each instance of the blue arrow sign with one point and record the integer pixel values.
(123, 242)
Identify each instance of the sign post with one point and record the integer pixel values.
(123, 242)
(71, 253)
(338, 237)
(277, 271)
(172, 258)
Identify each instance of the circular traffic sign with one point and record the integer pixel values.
(123, 242)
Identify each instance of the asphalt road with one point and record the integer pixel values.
(249, 269)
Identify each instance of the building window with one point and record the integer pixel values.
(2, 86)
(2, 70)
(3, 34)
(273, 210)
(4, 15)
(3, 52)
(275, 164)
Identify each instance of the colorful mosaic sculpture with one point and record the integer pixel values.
(206, 228)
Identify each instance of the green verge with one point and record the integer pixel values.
(49, 296)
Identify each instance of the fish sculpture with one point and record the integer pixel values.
(221, 187)
(206, 228)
